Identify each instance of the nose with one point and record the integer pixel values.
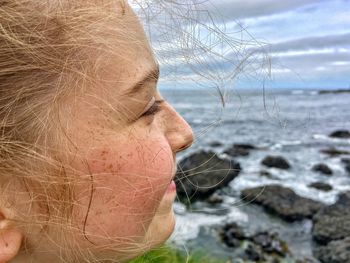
(178, 132)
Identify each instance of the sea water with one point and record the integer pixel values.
(292, 123)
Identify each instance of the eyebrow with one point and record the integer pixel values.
(152, 75)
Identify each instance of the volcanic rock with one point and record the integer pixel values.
(239, 150)
(202, 173)
(276, 161)
(259, 246)
(270, 243)
(266, 174)
(342, 134)
(282, 201)
(334, 152)
(347, 168)
(346, 162)
(321, 186)
(254, 253)
(333, 222)
(337, 251)
(215, 144)
(232, 234)
(322, 168)
(334, 91)
(215, 199)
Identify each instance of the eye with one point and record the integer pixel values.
(153, 109)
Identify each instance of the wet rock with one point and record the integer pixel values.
(259, 247)
(215, 199)
(334, 91)
(282, 201)
(266, 174)
(245, 146)
(232, 234)
(342, 134)
(307, 260)
(321, 186)
(332, 222)
(254, 253)
(239, 150)
(347, 168)
(346, 162)
(202, 173)
(334, 152)
(270, 243)
(215, 144)
(276, 161)
(322, 168)
(335, 252)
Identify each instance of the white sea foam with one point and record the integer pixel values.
(188, 224)
(297, 92)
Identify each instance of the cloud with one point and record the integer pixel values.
(309, 38)
(307, 62)
(315, 42)
(241, 9)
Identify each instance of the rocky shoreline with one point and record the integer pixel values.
(337, 91)
(201, 176)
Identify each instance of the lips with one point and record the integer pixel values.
(171, 187)
(175, 172)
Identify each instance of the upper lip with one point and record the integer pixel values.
(174, 173)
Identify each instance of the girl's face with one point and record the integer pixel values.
(126, 137)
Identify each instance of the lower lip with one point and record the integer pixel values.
(171, 187)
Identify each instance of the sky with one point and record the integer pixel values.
(277, 43)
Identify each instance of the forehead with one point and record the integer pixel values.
(124, 59)
(128, 56)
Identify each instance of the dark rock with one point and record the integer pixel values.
(239, 150)
(254, 253)
(258, 247)
(215, 144)
(215, 199)
(333, 222)
(334, 91)
(342, 134)
(335, 252)
(321, 186)
(266, 174)
(347, 168)
(202, 173)
(334, 152)
(232, 234)
(307, 260)
(275, 161)
(270, 243)
(346, 162)
(245, 146)
(282, 201)
(322, 168)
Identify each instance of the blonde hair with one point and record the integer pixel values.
(50, 52)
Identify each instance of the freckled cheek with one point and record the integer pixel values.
(128, 187)
(143, 170)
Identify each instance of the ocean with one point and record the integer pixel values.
(292, 123)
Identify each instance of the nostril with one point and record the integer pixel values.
(187, 142)
(185, 147)
(179, 133)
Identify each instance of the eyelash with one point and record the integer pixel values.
(154, 109)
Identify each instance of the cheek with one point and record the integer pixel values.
(128, 185)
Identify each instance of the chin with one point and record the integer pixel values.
(160, 229)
